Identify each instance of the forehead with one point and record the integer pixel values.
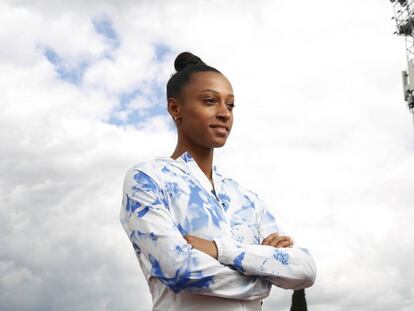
(201, 81)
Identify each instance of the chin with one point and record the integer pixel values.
(218, 144)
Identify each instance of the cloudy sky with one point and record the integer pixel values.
(321, 133)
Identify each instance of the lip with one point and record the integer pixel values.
(220, 130)
(220, 126)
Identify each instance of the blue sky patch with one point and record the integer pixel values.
(149, 91)
(72, 73)
(162, 51)
(104, 26)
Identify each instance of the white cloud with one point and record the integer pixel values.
(318, 109)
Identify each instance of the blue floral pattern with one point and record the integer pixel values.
(165, 199)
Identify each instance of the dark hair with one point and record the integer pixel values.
(185, 64)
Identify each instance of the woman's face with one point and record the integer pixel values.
(206, 105)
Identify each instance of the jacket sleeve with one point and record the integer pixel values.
(289, 268)
(166, 255)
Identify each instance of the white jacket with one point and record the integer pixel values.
(165, 199)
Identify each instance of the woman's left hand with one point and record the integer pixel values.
(206, 246)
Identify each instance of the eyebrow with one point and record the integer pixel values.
(210, 90)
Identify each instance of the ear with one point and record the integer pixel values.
(174, 108)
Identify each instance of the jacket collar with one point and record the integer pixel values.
(187, 164)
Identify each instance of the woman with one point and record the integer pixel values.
(203, 241)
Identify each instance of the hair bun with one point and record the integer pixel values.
(184, 59)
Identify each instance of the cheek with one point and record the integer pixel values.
(198, 131)
(197, 123)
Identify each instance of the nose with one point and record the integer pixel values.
(223, 112)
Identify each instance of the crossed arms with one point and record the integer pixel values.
(223, 267)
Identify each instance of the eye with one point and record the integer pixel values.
(210, 100)
(231, 106)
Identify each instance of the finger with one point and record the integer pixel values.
(276, 240)
(269, 238)
(287, 238)
(286, 243)
(189, 238)
(265, 241)
(291, 242)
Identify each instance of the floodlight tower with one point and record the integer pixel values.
(404, 19)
